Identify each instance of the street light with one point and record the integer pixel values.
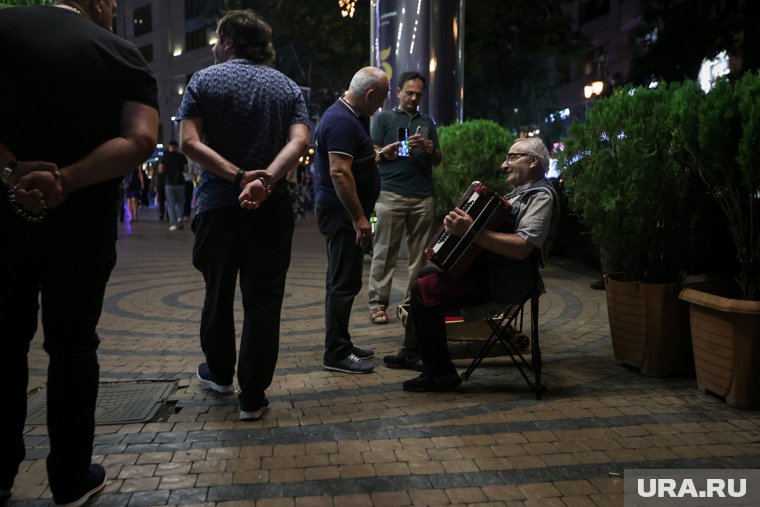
(594, 88)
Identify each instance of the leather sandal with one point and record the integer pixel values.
(377, 315)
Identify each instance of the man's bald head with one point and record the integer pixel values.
(368, 90)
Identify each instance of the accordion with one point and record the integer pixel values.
(488, 210)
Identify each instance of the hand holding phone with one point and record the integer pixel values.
(421, 140)
(403, 142)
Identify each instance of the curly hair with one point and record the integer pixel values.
(250, 35)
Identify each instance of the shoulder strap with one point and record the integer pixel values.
(545, 186)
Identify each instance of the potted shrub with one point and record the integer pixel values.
(626, 178)
(472, 150)
(721, 130)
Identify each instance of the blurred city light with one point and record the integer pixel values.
(347, 7)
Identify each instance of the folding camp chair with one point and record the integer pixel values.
(506, 329)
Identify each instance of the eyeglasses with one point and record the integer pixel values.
(511, 157)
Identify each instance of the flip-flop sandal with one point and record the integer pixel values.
(378, 316)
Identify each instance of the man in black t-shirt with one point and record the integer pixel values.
(58, 195)
(173, 167)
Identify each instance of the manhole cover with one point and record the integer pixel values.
(118, 402)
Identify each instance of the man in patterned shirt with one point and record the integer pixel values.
(246, 125)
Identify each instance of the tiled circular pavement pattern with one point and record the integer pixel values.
(332, 439)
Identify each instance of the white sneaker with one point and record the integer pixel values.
(257, 412)
(172, 227)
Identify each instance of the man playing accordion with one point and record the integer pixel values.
(505, 272)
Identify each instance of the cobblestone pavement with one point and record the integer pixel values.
(333, 439)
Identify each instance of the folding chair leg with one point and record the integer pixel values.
(479, 358)
(500, 331)
(535, 347)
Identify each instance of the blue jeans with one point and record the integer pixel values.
(175, 202)
(343, 281)
(64, 262)
(257, 245)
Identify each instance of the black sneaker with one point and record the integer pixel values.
(424, 383)
(256, 412)
(94, 482)
(362, 353)
(404, 360)
(350, 364)
(204, 376)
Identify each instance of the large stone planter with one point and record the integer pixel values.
(726, 338)
(649, 326)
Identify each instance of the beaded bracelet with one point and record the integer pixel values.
(267, 186)
(22, 212)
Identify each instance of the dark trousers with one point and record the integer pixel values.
(343, 281)
(426, 324)
(255, 244)
(161, 200)
(61, 264)
(188, 198)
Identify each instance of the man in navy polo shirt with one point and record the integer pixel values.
(347, 186)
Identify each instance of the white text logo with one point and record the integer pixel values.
(715, 488)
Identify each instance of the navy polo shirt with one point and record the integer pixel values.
(343, 131)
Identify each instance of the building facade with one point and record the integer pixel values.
(610, 26)
(175, 37)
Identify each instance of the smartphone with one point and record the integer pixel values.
(403, 142)
(422, 131)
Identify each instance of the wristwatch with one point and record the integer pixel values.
(239, 177)
(7, 171)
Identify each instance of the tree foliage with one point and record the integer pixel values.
(514, 55)
(627, 177)
(676, 35)
(721, 131)
(15, 3)
(315, 45)
(473, 150)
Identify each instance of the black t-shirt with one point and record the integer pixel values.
(174, 167)
(65, 80)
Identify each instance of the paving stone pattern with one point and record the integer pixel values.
(338, 440)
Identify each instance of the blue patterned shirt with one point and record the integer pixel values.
(247, 111)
